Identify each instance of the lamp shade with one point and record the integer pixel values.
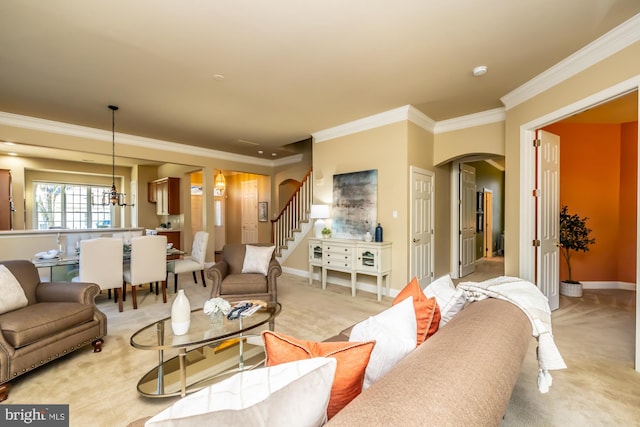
(319, 212)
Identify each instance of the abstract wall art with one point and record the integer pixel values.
(355, 198)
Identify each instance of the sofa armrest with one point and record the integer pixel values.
(81, 292)
(217, 272)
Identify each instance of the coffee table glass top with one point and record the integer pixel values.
(159, 336)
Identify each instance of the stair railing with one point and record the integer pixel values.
(295, 212)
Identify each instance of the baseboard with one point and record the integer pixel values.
(608, 285)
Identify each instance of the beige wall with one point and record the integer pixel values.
(484, 139)
(385, 149)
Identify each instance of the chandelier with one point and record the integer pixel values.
(219, 184)
(113, 197)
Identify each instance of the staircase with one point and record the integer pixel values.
(293, 222)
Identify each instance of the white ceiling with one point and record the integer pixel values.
(290, 67)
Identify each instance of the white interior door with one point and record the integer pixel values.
(421, 239)
(548, 217)
(467, 219)
(249, 211)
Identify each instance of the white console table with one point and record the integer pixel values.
(353, 257)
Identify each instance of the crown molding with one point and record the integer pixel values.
(470, 120)
(610, 43)
(60, 128)
(406, 112)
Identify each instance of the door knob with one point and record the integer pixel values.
(415, 240)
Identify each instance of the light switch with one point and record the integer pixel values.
(394, 214)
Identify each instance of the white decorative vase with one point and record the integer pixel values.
(180, 314)
(571, 289)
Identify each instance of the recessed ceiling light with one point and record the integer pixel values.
(260, 152)
(273, 154)
(480, 70)
(218, 77)
(12, 154)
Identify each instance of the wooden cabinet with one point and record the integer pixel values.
(6, 202)
(172, 237)
(353, 257)
(167, 195)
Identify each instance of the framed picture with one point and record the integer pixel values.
(263, 211)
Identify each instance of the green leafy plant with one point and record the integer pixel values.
(574, 237)
(326, 231)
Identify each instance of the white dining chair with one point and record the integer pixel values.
(191, 263)
(148, 265)
(100, 262)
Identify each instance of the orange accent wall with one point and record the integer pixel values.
(598, 168)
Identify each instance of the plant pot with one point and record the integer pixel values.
(571, 289)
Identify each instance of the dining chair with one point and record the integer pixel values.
(148, 265)
(100, 262)
(191, 263)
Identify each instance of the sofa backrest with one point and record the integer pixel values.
(27, 274)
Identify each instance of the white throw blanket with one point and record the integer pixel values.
(526, 296)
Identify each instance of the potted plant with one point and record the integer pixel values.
(326, 233)
(574, 237)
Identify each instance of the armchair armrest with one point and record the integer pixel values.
(217, 272)
(83, 293)
(273, 271)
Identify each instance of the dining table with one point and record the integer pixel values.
(74, 260)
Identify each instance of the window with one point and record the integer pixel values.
(69, 206)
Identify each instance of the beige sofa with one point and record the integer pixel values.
(461, 376)
(58, 319)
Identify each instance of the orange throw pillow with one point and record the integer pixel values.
(352, 360)
(427, 310)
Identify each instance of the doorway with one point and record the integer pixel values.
(527, 260)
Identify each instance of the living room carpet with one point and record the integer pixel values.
(595, 334)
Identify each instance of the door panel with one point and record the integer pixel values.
(548, 215)
(249, 211)
(421, 240)
(467, 219)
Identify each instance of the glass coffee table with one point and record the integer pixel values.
(206, 354)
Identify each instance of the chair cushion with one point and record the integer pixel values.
(184, 266)
(248, 283)
(37, 321)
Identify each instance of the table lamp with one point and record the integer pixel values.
(319, 213)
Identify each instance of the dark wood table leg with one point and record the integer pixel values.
(4, 391)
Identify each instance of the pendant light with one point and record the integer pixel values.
(220, 184)
(113, 197)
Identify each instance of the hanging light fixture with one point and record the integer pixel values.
(113, 197)
(220, 184)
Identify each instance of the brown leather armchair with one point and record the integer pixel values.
(58, 319)
(230, 283)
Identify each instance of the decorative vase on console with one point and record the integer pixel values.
(180, 314)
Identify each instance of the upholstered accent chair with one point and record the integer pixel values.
(49, 320)
(193, 262)
(232, 284)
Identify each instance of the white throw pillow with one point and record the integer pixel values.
(394, 331)
(294, 393)
(450, 300)
(13, 296)
(257, 259)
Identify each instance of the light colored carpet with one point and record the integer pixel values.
(594, 333)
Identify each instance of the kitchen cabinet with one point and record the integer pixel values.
(167, 196)
(152, 190)
(173, 236)
(353, 257)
